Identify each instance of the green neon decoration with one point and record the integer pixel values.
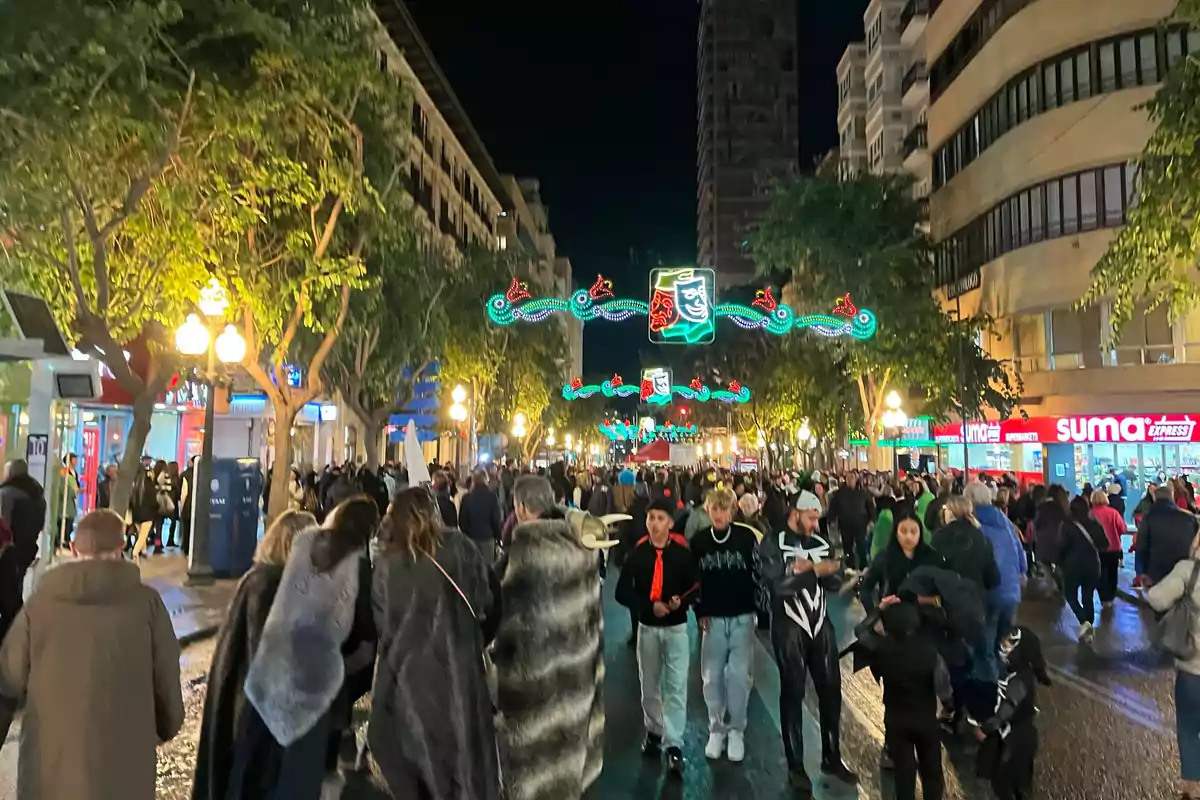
(695, 392)
(620, 431)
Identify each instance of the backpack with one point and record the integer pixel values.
(1175, 629)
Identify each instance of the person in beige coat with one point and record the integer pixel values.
(95, 657)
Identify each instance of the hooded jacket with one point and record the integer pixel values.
(23, 507)
(1010, 555)
(96, 659)
(967, 552)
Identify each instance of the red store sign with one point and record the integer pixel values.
(1125, 429)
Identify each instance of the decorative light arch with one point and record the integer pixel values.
(695, 391)
(598, 303)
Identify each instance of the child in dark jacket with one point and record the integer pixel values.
(914, 679)
(1009, 738)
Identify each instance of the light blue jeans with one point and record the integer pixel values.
(725, 662)
(663, 669)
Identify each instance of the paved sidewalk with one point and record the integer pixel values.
(196, 611)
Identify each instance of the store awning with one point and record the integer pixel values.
(659, 450)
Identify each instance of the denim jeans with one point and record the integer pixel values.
(985, 656)
(1187, 724)
(663, 668)
(725, 661)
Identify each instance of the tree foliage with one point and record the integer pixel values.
(863, 236)
(1154, 257)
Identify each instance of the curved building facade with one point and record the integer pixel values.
(1034, 133)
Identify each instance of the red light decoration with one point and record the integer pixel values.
(601, 288)
(735, 387)
(765, 300)
(683, 411)
(517, 291)
(576, 382)
(845, 306)
(617, 381)
(647, 389)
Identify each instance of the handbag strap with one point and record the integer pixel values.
(454, 583)
(1191, 583)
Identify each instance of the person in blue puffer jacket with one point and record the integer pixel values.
(1002, 600)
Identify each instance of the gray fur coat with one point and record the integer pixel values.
(298, 668)
(549, 659)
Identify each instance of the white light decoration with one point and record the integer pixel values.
(893, 400)
(518, 427)
(550, 438)
(720, 447)
(213, 300)
(894, 418)
(647, 423)
(192, 337)
(458, 412)
(805, 431)
(459, 394)
(231, 347)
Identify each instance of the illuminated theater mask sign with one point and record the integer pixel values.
(1116, 428)
(681, 306)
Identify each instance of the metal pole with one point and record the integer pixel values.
(962, 396)
(200, 571)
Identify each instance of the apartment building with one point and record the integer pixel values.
(747, 126)
(883, 93)
(527, 226)
(1035, 130)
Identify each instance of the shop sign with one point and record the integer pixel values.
(1118, 428)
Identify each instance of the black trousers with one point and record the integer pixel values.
(1080, 592)
(1110, 564)
(916, 748)
(856, 547)
(800, 657)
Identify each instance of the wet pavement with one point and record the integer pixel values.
(1107, 723)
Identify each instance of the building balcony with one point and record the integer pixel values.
(914, 89)
(913, 20)
(916, 147)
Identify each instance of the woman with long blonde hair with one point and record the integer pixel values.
(433, 600)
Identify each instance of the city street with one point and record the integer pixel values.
(1107, 722)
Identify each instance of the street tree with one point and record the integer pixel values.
(1153, 260)
(393, 335)
(98, 116)
(863, 236)
(306, 161)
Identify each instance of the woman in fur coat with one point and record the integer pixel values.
(431, 732)
(549, 652)
(225, 702)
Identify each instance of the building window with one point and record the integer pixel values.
(1075, 338)
(1146, 339)
(1191, 337)
(1082, 72)
(1029, 342)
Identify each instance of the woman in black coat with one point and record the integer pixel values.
(1083, 541)
(225, 702)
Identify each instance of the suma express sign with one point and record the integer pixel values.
(1116, 428)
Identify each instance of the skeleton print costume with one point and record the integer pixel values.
(1007, 755)
(805, 644)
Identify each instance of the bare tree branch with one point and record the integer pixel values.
(315, 384)
(72, 264)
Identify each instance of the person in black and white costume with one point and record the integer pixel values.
(798, 566)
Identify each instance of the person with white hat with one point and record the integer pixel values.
(797, 566)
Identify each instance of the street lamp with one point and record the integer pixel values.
(458, 413)
(519, 430)
(894, 419)
(193, 338)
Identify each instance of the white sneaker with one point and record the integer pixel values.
(715, 746)
(1086, 633)
(737, 747)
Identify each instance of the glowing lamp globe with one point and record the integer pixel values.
(213, 300)
(459, 394)
(231, 347)
(192, 337)
(458, 412)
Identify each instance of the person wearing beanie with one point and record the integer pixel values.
(798, 568)
(731, 593)
(659, 581)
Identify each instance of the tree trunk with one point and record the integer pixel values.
(281, 469)
(373, 436)
(143, 410)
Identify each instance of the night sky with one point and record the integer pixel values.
(599, 103)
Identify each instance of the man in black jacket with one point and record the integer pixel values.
(479, 516)
(852, 508)
(1165, 537)
(23, 509)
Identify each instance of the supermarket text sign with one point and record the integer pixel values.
(1118, 428)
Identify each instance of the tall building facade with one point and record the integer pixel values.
(747, 123)
(1035, 130)
(883, 94)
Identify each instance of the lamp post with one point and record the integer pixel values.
(520, 431)
(895, 419)
(458, 413)
(193, 339)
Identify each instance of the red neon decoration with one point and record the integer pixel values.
(647, 389)
(517, 291)
(662, 310)
(617, 381)
(696, 385)
(845, 306)
(735, 387)
(765, 300)
(576, 383)
(601, 288)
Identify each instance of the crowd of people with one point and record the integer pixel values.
(484, 596)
